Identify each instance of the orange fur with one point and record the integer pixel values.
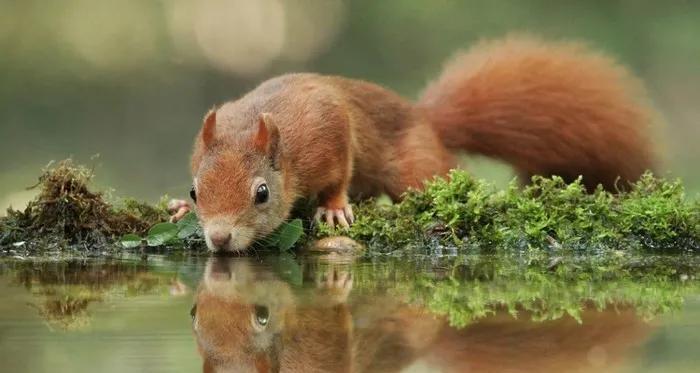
(308, 337)
(209, 127)
(547, 109)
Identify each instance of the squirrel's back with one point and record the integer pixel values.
(546, 109)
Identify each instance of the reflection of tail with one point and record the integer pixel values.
(503, 344)
(544, 108)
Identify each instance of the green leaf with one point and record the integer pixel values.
(130, 241)
(187, 226)
(289, 234)
(273, 239)
(161, 233)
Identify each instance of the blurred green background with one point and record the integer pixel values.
(130, 79)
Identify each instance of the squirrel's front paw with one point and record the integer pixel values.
(342, 216)
(178, 208)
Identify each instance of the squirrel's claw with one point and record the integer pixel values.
(348, 213)
(178, 208)
(337, 282)
(343, 216)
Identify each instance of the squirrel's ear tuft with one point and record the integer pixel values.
(209, 128)
(266, 138)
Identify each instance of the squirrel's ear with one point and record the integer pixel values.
(209, 128)
(266, 139)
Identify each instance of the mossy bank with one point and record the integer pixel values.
(459, 214)
(462, 213)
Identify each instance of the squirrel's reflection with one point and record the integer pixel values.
(247, 319)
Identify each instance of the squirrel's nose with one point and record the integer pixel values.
(220, 239)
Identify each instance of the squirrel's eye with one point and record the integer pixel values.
(193, 195)
(262, 315)
(262, 194)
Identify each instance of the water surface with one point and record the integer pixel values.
(318, 314)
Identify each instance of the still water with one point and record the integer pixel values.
(281, 313)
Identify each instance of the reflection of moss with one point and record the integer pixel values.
(477, 288)
(66, 313)
(64, 289)
(467, 288)
(466, 213)
(66, 212)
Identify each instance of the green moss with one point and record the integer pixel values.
(464, 213)
(66, 213)
(458, 213)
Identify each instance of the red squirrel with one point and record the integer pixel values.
(545, 108)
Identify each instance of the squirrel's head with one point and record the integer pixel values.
(238, 187)
(240, 315)
(247, 319)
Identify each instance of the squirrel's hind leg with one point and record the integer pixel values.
(419, 157)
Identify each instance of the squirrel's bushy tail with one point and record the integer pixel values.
(546, 109)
